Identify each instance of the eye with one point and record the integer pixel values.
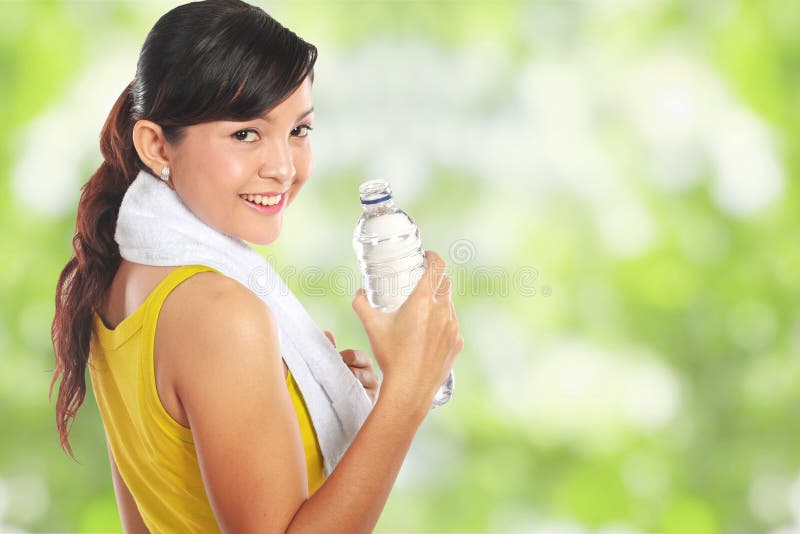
(241, 135)
(302, 128)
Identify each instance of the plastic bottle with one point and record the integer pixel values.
(388, 246)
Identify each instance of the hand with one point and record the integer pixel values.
(360, 364)
(415, 345)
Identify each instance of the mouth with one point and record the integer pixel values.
(267, 204)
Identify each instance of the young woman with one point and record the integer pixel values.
(206, 429)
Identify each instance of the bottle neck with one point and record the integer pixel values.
(379, 206)
(376, 196)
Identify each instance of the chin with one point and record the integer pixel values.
(260, 241)
(264, 239)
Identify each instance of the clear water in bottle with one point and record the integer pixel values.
(388, 246)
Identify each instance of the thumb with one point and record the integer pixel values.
(361, 305)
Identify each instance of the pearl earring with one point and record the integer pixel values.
(165, 174)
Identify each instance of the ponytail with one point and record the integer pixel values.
(94, 262)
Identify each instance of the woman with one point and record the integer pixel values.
(214, 434)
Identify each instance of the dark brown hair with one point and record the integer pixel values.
(202, 61)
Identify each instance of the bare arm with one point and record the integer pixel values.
(230, 381)
(245, 430)
(132, 522)
(352, 498)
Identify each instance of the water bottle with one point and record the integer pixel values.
(389, 249)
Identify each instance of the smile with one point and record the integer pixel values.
(265, 204)
(263, 200)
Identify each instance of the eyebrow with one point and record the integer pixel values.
(304, 114)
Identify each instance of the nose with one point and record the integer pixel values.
(278, 162)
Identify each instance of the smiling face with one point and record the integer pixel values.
(217, 164)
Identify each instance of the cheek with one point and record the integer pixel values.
(303, 163)
(225, 168)
(210, 185)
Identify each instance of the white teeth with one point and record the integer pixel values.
(263, 200)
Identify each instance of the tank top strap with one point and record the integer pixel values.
(175, 277)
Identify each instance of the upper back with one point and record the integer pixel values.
(132, 284)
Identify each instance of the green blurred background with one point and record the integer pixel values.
(613, 185)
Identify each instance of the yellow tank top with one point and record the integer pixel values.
(155, 454)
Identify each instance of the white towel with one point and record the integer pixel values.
(155, 227)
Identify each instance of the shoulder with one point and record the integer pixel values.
(211, 324)
(214, 304)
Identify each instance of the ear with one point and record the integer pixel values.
(151, 145)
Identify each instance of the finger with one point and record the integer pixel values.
(438, 272)
(362, 359)
(367, 377)
(443, 289)
(348, 356)
(356, 358)
(431, 278)
(330, 336)
(361, 306)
